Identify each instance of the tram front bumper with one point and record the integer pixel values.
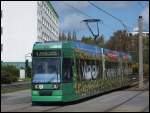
(46, 98)
(47, 95)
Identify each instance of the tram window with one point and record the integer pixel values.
(67, 70)
(40, 69)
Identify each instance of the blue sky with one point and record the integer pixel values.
(127, 11)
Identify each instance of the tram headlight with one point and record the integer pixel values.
(36, 86)
(55, 86)
(39, 86)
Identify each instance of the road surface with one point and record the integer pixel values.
(122, 100)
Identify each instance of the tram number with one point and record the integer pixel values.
(46, 53)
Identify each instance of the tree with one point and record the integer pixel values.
(9, 74)
(133, 47)
(146, 50)
(69, 36)
(128, 43)
(62, 36)
(87, 40)
(100, 41)
(74, 35)
(118, 41)
(29, 71)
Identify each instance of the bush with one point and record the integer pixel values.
(146, 69)
(135, 69)
(9, 74)
(5, 77)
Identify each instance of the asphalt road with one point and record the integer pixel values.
(123, 100)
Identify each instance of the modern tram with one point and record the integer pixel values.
(70, 70)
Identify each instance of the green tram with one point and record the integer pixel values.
(71, 70)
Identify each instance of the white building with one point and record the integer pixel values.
(47, 22)
(143, 33)
(24, 23)
(1, 31)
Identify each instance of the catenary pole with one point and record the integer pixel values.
(140, 53)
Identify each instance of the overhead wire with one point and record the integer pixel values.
(77, 10)
(140, 4)
(106, 12)
(107, 26)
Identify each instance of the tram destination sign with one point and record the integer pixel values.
(47, 53)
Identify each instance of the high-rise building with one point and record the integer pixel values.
(39, 15)
(1, 31)
(47, 21)
(144, 34)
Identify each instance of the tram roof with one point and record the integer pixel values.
(67, 44)
(81, 46)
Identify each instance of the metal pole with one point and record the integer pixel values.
(103, 62)
(26, 55)
(25, 67)
(140, 53)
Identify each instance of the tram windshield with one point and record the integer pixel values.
(46, 70)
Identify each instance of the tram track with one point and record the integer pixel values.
(112, 108)
(30, 108)
(27, 106)
(48, 110)
(56, 107)
(144, 110)
(107, 110)
(129, 99)
(132, 88)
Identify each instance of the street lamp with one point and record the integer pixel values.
(140, 53)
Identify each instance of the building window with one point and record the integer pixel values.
(42, 19)
(41, 4)
(44, 22)
(38, 4)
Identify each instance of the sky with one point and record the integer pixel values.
(127, 11)
(15, 47)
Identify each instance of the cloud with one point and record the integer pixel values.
(19, 30)
(145, 14)
(78, 4)
(70, 17)
(73, 22)
(135, 29)
(114, 4)
(64, 8)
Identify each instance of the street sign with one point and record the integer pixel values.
(22, 73)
